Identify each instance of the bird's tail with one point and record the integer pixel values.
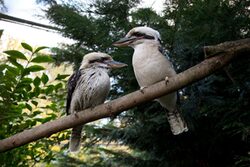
(176, 122)
(75, 139)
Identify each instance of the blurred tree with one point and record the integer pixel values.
(2, 6)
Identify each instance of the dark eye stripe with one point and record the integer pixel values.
(138, 34)
(105, 58)
(148, 37)
(92, 61)
(99, 60)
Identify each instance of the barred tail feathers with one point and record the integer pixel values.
(176, 122)
(75, 139)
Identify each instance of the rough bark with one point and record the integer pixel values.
(224, 52)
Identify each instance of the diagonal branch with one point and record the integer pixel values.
(224, 52)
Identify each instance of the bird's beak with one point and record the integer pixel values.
(114, 64)
(125, 41)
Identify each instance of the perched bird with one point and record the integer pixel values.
(151, 66)
(88, 87)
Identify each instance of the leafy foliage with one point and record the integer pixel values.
(28, 98)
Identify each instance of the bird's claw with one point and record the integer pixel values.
(166, 80)
(142, 89)
(75, 114)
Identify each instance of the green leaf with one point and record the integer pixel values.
(49, 89)
(34, 102)
(40, 48)
(26, 72)
(14, 70)
(15, 54)
(44, 78)
(58, 86)
(33, 123)
(35, 68)
(32, 94)
(24, 84)
(39, 120)
(52, 115)
(43, 97)
(28, 88)
(10, 77)
(60, 77)
(37, 91)
(3, 66)
(25, 95)
(37, 81)
(28, 106)
(42, 59)
(37, 112)
(15, 63)
(46, 119)
(26, 80)
(26, 46)
(43, 120)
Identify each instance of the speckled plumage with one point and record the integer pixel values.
(151, 66)
(91, 89)
(87, 87)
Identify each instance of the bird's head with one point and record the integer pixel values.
(139, 35)
(100, 60)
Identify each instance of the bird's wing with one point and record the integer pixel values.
(161, 50)
(164, 52)
(71, 87)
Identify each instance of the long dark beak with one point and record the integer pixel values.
(114, 64)
(124, 41)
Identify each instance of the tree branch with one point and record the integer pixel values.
(224, 52)
(236, 47)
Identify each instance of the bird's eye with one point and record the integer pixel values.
(93, 61)
(148, 37)
(99, 60)
(138, 34)
(104, 58)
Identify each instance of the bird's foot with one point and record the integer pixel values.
(166, 80)
(75, 114)
(142, 89)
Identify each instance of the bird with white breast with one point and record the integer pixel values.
(151, 66)
(88, 87)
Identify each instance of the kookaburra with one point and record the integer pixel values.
(87, 87)
(151, 66)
